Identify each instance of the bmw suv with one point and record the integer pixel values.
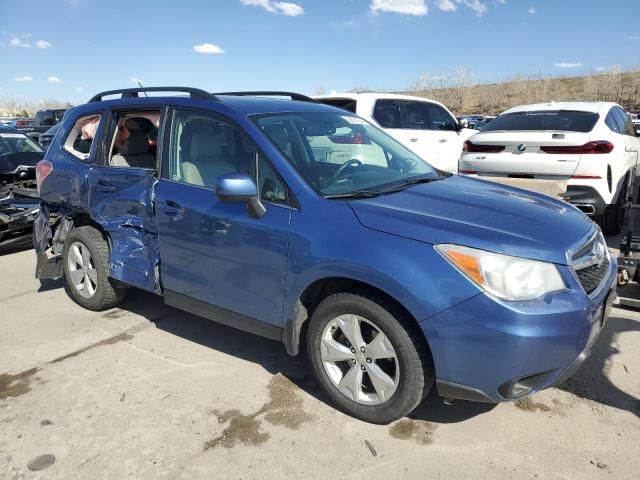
(393, 276)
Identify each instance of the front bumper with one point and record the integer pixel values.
(493, 351)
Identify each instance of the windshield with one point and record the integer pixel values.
(17, 143)
(340, 154)
(563, 120)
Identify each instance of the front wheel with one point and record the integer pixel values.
(86, 270)
(367, 358)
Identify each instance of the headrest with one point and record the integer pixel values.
(136, 144)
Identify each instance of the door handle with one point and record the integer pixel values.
(443, 140)
(105, 186)
(413, 139)
(630, 149)
(171, 208)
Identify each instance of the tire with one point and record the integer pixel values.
(101, 293)
(612, 220)
(411, 369)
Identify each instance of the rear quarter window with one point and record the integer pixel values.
(81, 137)
(412, 115)
(562, 120)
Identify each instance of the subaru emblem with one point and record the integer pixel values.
(522, 147)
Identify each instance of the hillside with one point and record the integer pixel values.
(491, 99)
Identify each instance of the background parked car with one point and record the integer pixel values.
(593, 146)
(46, 138)
(43, 121)
(22, 124)
(424, 126)
(7, 120)
(19, 201)
(483, 123)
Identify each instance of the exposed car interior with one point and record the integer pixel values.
(206, 148)
(313, 143)
(135, 139)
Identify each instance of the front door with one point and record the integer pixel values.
(213, 253)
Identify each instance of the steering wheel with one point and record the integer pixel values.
(342, 168)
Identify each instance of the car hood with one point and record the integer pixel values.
(479, 214)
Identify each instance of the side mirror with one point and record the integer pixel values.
(463, 123)
(236, 187)
(240, 188)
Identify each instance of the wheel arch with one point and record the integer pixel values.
(296, 322)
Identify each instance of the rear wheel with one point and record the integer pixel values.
(612, 220)
(367, 359)
(86, 269)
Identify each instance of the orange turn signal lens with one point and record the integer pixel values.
(467, 263)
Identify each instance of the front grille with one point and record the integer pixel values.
(591, 277)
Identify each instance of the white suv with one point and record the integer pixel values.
(593, 146)
(424, 126)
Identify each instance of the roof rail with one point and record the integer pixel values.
(267, 93)
(133, 92)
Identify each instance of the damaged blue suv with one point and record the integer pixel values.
(304, 223)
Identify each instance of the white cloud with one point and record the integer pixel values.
(567, 64)
(54, 80)
(25, 78)
(633, 37)
(403, 7)
(43, 44)
(420, 7)
(288, 9)
(476, 5)
(345, 24)
(208, 49)
(531, 11)
(136, 80)
(283, 8)
(501, 2)
(18, 42)
(79, 89)
(446, 5)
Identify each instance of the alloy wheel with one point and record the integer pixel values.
(359, 359)
(82, 270)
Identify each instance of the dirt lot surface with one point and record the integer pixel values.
(146, 391)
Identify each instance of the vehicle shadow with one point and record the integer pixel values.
(21, 246)
(271, 355)
(592, 381)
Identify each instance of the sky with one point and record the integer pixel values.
(70, 49)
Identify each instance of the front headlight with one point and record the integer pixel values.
(508, 278)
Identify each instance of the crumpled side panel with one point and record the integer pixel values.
(121, 201)
(42, 230)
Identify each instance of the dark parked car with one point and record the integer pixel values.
(43, 121)
(47, 137)
(19, 202)
(21, 124)
(396, 276)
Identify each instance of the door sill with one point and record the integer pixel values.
(222, 315)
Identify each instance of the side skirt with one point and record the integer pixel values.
(221, 315)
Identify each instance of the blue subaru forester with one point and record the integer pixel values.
(304, 223)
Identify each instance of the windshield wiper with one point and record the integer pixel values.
(409, 182)
(356, 194)
(394, 188)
